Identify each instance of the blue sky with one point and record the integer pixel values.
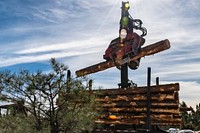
(77, 33)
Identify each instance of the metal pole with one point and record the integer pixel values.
(124, 76)
(148, 100)
(157, 81)
(68, 80)
(90, 86)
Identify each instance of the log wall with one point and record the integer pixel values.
(128, 106)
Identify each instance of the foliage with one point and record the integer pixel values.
(19, 124)
(53, 100)
(196, 117)
(191, 119)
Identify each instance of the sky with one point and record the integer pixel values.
(77, 33)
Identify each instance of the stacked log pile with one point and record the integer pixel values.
(128, 106)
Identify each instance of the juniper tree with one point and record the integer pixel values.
(54, 100)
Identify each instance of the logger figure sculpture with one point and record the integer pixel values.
(128, 43)
(126, 50)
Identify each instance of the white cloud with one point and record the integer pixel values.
(44, 57)
(78, 32)
(71, 45)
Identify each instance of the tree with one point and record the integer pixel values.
(54, 100)
(191, 119)
(186, 118)
(196, 116)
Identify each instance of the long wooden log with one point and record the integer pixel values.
(154, 104)
(123, 116)
(136, 122)
(154, 118)
(142, 110)
(137, 97)
(139, 122)
(146, 51)
(185, 109)
(139, 90)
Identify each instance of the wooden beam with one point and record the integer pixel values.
(138, 97)
(137, 90)
(154, 104)
(146, 51)
(139, 122)
(185, 109)
(142, 110)
(122, 116)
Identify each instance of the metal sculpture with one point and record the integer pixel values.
(126, 50)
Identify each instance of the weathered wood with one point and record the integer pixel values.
(142, 110)
(138, 90)
(122, 116)
(138, 97)
(133, 122)
(129, 105)
(146, 51)
(185, 109)
(154, 104)
(140, 122)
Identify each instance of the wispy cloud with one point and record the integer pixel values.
(78, 32)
